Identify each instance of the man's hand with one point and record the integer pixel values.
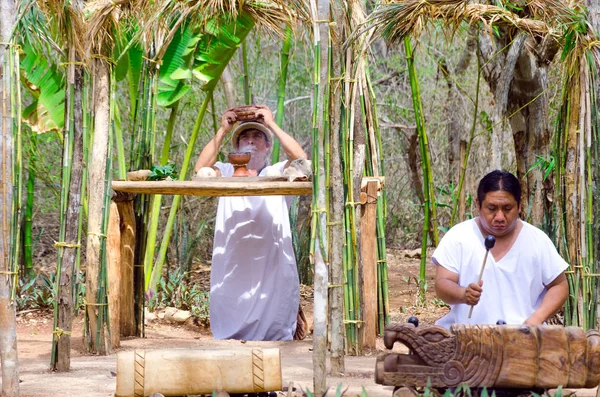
(264, 115)
(473, 293)
(228, 120)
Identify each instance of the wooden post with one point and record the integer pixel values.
(461, 198)
(128, 234)
(368, 223)
(113, 251)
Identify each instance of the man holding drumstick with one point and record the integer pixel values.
(523, 275)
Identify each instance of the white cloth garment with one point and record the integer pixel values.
(254, 287)
(513, 287)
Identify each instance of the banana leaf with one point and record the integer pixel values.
(202, 53)
(46, 83)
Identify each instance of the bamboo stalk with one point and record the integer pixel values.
(245, 76)
(27, 232)
(152, 278)
(283, 66)
(426, 166)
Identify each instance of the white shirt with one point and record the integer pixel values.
(254, 286)
(513, 287)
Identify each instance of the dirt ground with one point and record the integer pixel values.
(95, 376)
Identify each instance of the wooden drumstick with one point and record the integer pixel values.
(489, 243)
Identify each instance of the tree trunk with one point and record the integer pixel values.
(8, 328)
(71, 251)
(320, 11)
(97, 333)
(518, 78)
(453, 110)
(336, 211)
(229, 87)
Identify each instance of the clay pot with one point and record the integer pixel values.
(239, 160)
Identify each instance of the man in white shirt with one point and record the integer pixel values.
(254, 293)
(523, 281)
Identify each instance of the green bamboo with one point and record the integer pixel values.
(15, 119)
(283, 66)
(27, 232)
(152, 279)
(245, 76)
(67, 163)
(382, 272)
(426, 166)
(156, 199)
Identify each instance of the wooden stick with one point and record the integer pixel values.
(487, 251)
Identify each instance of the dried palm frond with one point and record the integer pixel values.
(61, 23)
(270, 16)
(396, 20)
(103, 24)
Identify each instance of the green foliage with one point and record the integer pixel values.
(545, 165)
(173, 290)
(162, 172)
(37, 293)
(200, 53)
(45, 82)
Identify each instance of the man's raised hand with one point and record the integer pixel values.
(228, 120)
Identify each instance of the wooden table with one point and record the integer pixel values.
(233, 186)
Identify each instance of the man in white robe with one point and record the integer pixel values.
(254, 291)
(523, 281)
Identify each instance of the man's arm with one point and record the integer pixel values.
(208, 156)
(556, 295)
(292, 149)
(448, 289)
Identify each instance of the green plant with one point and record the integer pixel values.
(37, 293)
(173, 290)
(162, 172)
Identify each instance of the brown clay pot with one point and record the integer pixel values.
(239, 160)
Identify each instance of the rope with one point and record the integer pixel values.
(351, 203)
(104, 58)
(60, 332)
(319, 210)
(3, 272)
(17, 46)
(158, 62)
(335, 285)
(353, 321)
(94, 304)
(97, 234)
(61, 244)
(65, 64)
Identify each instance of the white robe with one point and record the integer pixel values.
(254, 286)
(513, 287)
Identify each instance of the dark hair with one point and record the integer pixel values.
(499, 180)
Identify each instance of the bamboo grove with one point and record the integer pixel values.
(74, 99)
(572, 219)
(160, 52)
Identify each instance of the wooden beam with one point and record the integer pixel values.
(368, 223)
(247, 186)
